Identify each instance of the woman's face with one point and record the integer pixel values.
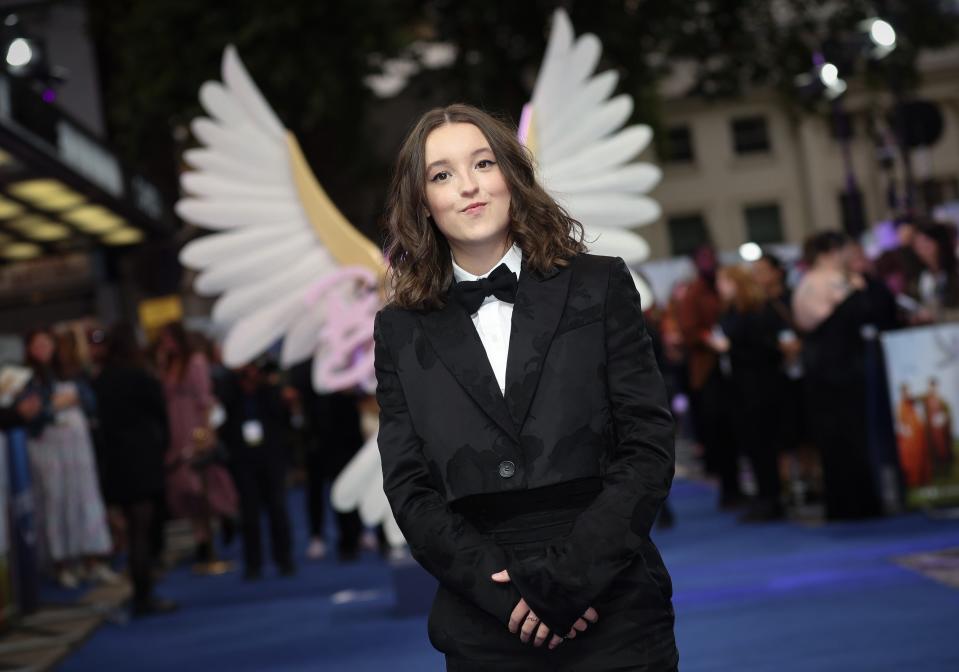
(466, 193)
(725, 286)
(926, 249)
(167, 343)
(41, 348)
(832, 259)
(766, 274)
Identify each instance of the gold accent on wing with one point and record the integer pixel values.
(531, 143)
(347, 245)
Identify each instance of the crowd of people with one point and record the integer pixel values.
(122, 438)
(791, 376)
(786, 378)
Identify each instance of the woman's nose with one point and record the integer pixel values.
(468, 186)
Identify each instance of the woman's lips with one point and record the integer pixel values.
(474, 208)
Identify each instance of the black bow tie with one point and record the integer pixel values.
(501, 283)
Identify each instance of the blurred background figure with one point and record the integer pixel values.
(134, 436)
(831, 308)
(255, 435)
(938, 282)
(334, 435)
(900, 266)
(71, 369)
(71, 514)
(750, 339)
(197, 487)
(798, 463)
(697, 315)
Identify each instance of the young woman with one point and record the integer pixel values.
(832, 307)
(134, 432)
(751, 328)
(71, 510)
(195, 491)
(938, 282)
(526, 442)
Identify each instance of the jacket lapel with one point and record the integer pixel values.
(453, 336)
(540, 300)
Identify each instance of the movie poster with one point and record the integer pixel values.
(923, 370)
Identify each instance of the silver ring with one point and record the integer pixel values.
(532, 619)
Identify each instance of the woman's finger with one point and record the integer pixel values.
(530, 625)
(501, 577)
(541, 634)
(517, 617)
(580, 625)
(591, 615)
(555, 641)
(571, 634)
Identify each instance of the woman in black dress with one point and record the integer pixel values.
(750, 341)
(834, 310)
(526, 442)
(135, 434)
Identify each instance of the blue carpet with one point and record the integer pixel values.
(768, 597)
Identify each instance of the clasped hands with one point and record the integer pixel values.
(528, 624)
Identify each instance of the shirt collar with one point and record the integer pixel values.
(513, 260)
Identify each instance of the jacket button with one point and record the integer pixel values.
(507, 469)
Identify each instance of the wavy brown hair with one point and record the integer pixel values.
(749, 294)
(419, 255)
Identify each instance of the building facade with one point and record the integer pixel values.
(751, 170)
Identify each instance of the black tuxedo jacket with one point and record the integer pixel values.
(584, 398)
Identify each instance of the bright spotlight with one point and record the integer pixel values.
(750, 251)
(882, 34)
(19, 53)
(829, 74)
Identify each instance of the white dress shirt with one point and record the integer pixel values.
(494, 319)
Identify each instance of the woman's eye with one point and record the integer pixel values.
(441, 176)
(485, 163)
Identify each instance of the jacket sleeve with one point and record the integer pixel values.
(562, 582)
(442, 541)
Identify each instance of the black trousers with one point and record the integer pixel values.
(838, 423)
(755, 407)
(349, 525)
(634, 631)
(261, 484)
(713, 425)
(139, 517)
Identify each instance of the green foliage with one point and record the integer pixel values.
(310, 57)
(307, 57)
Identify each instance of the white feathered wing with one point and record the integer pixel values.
(584, 154)
(273, 227)
(273, 224)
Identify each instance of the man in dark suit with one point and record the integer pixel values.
(333, 437)
(255, 433)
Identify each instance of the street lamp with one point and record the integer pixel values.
(882, 36)
(833, 85)
(875, 39)
(19, 53)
